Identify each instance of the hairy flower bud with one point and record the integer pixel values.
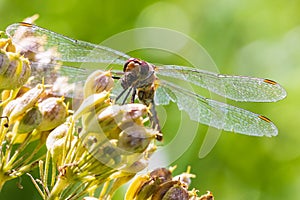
(16, 108)
(113, 119)
(30, 120)
(7, 45)
(56, 142)
(135, 139)
(54, 112)
(91, 104)
(97, 82)
(4, 62)
(16, 73)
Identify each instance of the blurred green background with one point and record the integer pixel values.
(253, 38)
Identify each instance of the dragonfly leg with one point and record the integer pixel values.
(124, 100)
(127, 94)
(154, 121)
(121, 94)
(133, 95)
(116, 77)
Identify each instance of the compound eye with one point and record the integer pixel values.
(130, 64)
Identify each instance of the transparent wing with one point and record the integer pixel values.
(50, 72)
(48, 51)
(69, 50)
(215, 114)
(239, 88)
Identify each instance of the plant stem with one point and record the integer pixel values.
(59, 187)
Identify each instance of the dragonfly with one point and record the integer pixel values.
(151, 84)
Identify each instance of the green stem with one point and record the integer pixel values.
(11, 160)
(3, 179)
(59, 187)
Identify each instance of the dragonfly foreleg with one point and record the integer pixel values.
(121, 94)
(124, 100)
(116, 77)
(133, 95)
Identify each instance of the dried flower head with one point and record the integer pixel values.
(160, 184)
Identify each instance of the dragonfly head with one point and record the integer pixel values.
(132, 63)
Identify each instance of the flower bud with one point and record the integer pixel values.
(135, 139)
(16, 108)
(56, 140)
(4, 61)
(92, 103)
(97, 82)
(7, 45)
(137, 162)
(113, 119)
(54, 112)
(3, 41)
(10, 107)
(16, 73)
(117, 138)
(106, 153)
(138, 165)
(30, 120)
(10, 46)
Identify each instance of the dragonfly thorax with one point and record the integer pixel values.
(138, 74)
